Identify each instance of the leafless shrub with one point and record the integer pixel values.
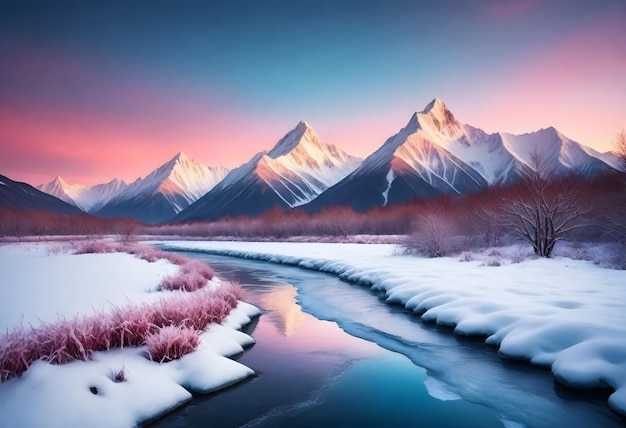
(550, 211)
(617, 257)
(487, 226)
(517, 258)
(435, 236)
(493, 262)
(466, 257)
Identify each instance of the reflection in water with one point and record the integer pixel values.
(282, 309)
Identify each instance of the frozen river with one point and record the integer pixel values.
(332, 354)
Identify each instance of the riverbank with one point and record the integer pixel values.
(560, 313)
(47, 287)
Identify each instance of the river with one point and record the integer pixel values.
(332, 354)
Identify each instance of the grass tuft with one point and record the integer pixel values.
(118, 376)
(171, 342)
(192, 276)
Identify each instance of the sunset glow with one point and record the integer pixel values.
(95, 92)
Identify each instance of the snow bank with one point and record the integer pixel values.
(39, 285)
(561, 313)
(120, 387)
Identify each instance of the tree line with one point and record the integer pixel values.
(540, 210)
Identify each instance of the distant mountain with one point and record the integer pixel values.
(296, 171)
(87, 198)
(164, 192)
(22, 196)
(435, 154)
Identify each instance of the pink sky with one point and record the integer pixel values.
(90, 119)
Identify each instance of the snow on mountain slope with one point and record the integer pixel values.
(414, 163)
(304, 166)
(608, 158)
(22, 196)
(473, 147)
(60, 189)
(435, 153)
(559, 154)
(295, 171)
(500, 157)
(299, 167)
(97, 196)
(87, 198)
(181, 176)
(164, 192)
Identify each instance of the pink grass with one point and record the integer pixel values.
(171, 342)
(145, 252)
(93, 247)
(191, 281)
(76, 339)
(192, 276)
(195, 266)
(169, 327)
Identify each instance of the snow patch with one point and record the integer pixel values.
(390, 177)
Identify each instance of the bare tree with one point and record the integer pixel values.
(547, 213)
(620, 147)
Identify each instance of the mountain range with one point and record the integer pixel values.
(297, 170)
(164, 192)
(433, 154)
(155, 198)
(87, 198)
(22, 196)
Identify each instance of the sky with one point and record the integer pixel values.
(96, 90)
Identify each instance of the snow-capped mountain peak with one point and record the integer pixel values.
(22, 196)
(301, 134)
(436, 154)
(87, 198)
(58, 181)
(436, 118)
(60, 189)
(187, 175)
(436, 106)
(301, 153)
(295, 171)
(165, 191)
(180, 175)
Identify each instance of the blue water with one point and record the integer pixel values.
(332, 354)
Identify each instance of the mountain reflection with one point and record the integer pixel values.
(283, 310)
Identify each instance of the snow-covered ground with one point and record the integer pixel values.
(41, 284)
(566, 314)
